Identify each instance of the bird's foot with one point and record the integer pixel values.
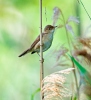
(42, 60)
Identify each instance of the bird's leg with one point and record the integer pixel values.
(38, 53)
(42, 58)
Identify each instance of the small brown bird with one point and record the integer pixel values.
(47, 38)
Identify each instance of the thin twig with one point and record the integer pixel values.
(41, 52)
(84, 8)
(70, 51)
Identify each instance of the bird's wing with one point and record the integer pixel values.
(36, 41)
(32, 46)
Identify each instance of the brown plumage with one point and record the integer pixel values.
(32, 46)
(47, 37)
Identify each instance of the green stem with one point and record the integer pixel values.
(70, 51)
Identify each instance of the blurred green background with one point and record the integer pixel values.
(19, 26)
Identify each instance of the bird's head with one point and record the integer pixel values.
(49, 29)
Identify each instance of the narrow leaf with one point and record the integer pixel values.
(36, 91)
(75, 98)
(85, 9)
(84, 73)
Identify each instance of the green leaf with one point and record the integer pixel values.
(36, 91)
(73, 98)
(83, 72)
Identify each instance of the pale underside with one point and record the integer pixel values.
(47, 41)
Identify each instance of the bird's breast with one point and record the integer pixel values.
(47, 41)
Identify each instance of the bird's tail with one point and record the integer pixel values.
(25, 52)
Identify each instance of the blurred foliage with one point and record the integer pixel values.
(19, 26)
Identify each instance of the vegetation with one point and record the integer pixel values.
(67, 63)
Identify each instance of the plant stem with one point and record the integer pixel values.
(85, 10)
(78, 13)
(70, 51)
(41, 52)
